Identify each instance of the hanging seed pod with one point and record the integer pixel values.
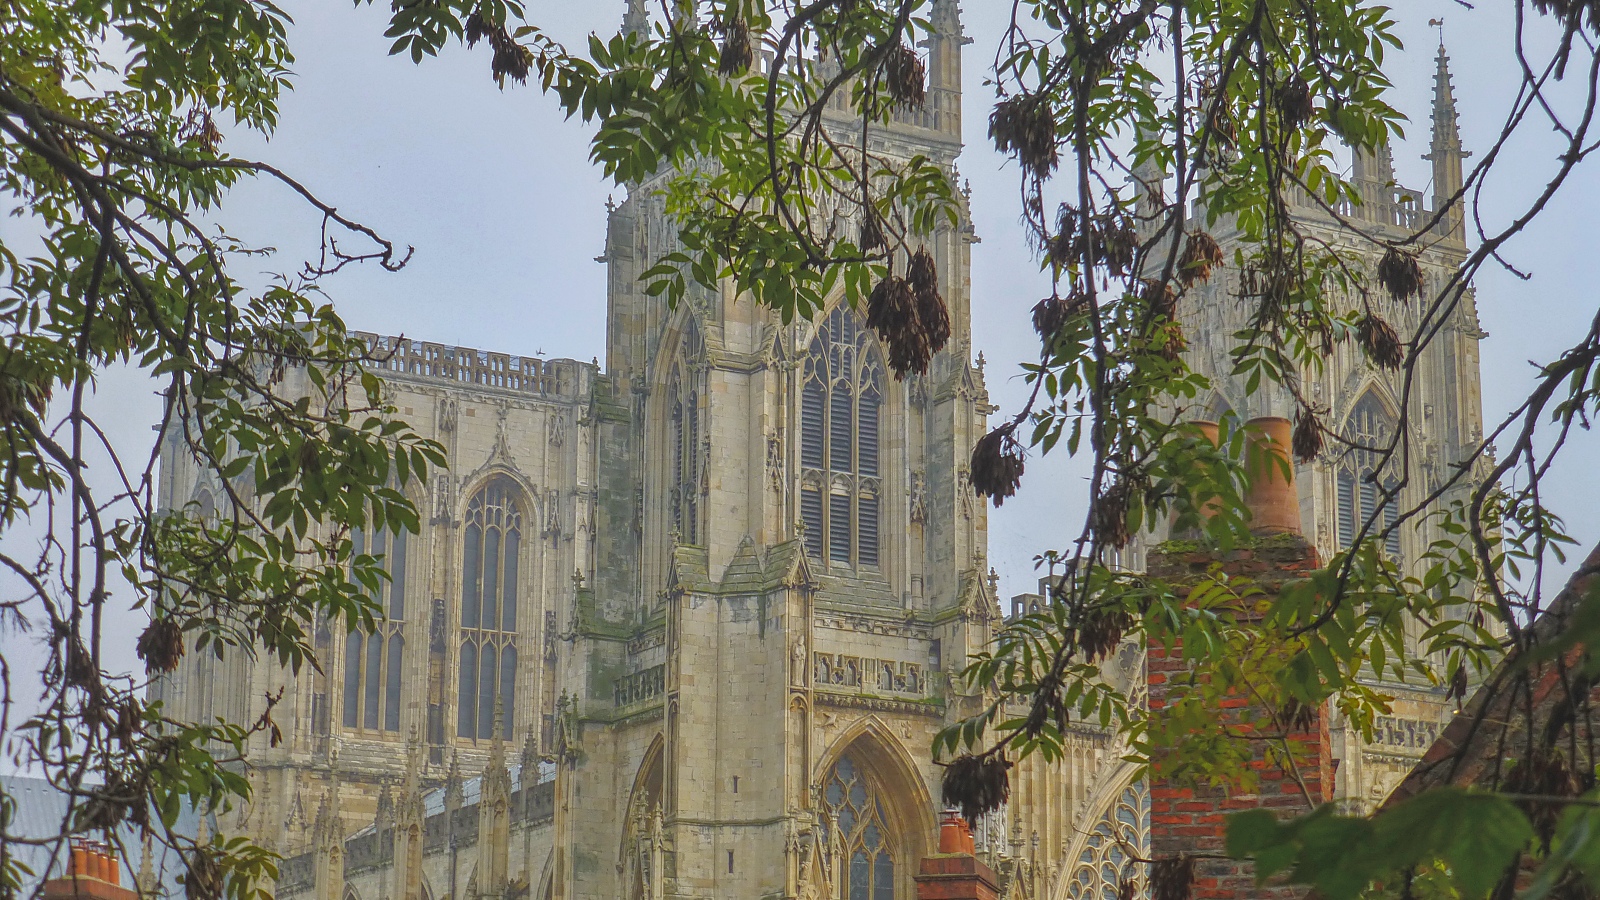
(160, 646)
(1115, 241)
(1176, 342)
(1458, 684)
(892, 312)
(1380, 342)
(476, 28)
(1294, 101)
(977, 785)
(871, 232)
(1400, 273)
(736, 56)
(1063, 248)
(510, 58)
(906, 76)
(1127, 889)
(1111, 515)
(1172, 879)
(932, 316)
(1049, 315)
(1160, 299)
(997, 464)
(1201, 254)
(1101, 631)
(1025, 126)
(1295, 717)
(1307, 441)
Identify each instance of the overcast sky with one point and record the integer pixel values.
(494, 190)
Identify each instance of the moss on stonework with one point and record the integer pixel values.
(1254, 542)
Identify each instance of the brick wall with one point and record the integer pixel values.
(1191, 820)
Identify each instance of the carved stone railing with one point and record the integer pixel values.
(464, 365)
(860, 673)
(641, 685)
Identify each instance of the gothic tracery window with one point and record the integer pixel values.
(490, 587)
(1114, 850)
(687, 474)
(841, 410)
(1358, 483)
(374, 664)
(855, 807)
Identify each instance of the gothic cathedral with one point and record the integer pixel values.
(684, 625)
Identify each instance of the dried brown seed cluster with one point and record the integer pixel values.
(1115, 243)
(510, 58)
(905, 76)
(1201, 254)
(997, 464)
(736, 55)
(1380, 342)
(1400, 273)
(871, 232)
(1101, 631)
(909, 316)
(1111, 515)
(1571, 10)
(977, 784)
(1172, 879)
(1307, 440)
(1050, 315)
(1174, 341)
(1294, 101)
(161, 645)
(1160, 299)
(1296, 717)
(1025, 125)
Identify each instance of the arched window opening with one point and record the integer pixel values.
(490, 592)
(1113, 853)
(841, 412)
(687, 476)
(374, 673)
(854, 807)
(1359, 486)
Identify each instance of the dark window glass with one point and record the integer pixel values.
(372, 702)
(841, 409)
(352, 680)
(467, 713)
(508, 691)
(488, 677)
(391, 692)
(472, 572)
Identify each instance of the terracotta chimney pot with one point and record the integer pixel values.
(1274, 505)
(954, 835)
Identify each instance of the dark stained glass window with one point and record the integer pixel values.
(841, 411)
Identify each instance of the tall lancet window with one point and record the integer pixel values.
(854, 806)
(490, 586)
(1358, 483)
(374, 664)
(841, 410)
(687, 456)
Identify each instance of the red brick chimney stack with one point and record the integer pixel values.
(955, 873)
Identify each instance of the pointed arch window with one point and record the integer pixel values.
(854, 808)
(1358, 484)
(374, 664)
(841, 413)
(687, 477)
(490, 591)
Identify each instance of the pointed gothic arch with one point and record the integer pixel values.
(639, 858)
(843, 404)
(1108, 848)
(1361, 478)
(496, 524)
(877, 816)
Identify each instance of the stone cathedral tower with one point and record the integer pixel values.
(684, 624)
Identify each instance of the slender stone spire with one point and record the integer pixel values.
(1445, 151)
(636, 21)
(944, 65)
